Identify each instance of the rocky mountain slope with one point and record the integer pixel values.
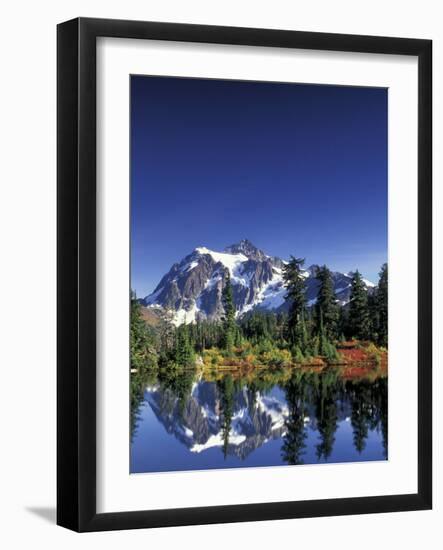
(192, 289)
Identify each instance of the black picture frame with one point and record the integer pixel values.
(76, 265)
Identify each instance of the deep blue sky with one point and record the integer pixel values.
(297, 169)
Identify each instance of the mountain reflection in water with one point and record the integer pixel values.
(190, 421)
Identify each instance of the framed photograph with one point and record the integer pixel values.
(244, 274)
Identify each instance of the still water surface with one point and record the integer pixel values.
(192, 421)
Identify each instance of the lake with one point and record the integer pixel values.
(232, 419)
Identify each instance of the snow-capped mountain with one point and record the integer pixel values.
(192, 288)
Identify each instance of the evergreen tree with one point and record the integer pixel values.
(325, 347)
(296, 294)
(374, 318)
(166, 335)
(142, 341)
(229, 326)
(326, 305)
(183, 353)
(359, 322)
(382, 306)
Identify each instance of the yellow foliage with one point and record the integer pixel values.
(213, 357)
(250, 358)
(277, 357)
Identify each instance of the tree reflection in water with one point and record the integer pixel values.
(240, 412)
(294, 438)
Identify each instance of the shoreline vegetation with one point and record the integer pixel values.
(323, 335)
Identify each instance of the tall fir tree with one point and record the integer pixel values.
(166, 334)
(374, 318)
(183, 353)
(296, 294)
(229, 326)
(382, 306)
(326, 304)
(359, 321)
(142, 341)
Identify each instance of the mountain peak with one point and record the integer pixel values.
(247, 248)
(193, 287)
(312, 270)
